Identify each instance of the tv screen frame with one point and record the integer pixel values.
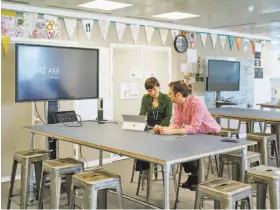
(51, 46)
(207, 81)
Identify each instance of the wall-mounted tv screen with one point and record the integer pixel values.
(223, 75)
(54, 73)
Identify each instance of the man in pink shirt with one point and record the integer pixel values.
(191, 117)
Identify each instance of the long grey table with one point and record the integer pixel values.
(247, 114)
(270, 104)
(159, 149)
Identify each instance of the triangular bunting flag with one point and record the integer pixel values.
(263, 43)
(104, 27)
(70, 25)
(238, 41)
(6, 42)
(203, 39)
(50, 24)
(253, 46)
(8, 13)
(120, 29)
(214, 39)
(223, 41)
(88, 26)
(149, 33)
(163, 35)
(246, 44)
(258, 47)
(231, 41)
(135, 31)
(29, 21)
(192, 38)
(174, 33)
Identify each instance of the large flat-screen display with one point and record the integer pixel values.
(54, 73)
(223, 75)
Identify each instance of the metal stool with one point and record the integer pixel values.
(224, 192)
(26, 158)
(93, 181)
(264, 139)
(230, 132)
(235, 159)
(143, 175)
(225, 132)
(134, 168)
(266, 176)
(57, 168)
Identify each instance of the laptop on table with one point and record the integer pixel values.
(135, 122)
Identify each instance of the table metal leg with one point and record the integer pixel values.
(244, 163)
(32, 180)
(100, 158)
(201, 176)
(278, 137)
(149, 183)
(201, 171)
(166, 170)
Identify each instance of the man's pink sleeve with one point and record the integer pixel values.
(178, 119)
(198, 114)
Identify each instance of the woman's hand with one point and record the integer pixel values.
(156, 129)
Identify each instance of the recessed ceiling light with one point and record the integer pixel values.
(104, 5)
(250, 8)
(175, 15)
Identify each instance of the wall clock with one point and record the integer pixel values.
(181, 43)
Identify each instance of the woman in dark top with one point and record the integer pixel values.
(157, 107)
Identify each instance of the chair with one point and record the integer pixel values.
(266, 177)
(26, 158)
(57, 168)
(224, 192)
(264, 139)
(235, 159)
(93, 181)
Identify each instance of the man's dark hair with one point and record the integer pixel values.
(151, 83)
(180, 87)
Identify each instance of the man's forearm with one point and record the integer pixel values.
(181, 131)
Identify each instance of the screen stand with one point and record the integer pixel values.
(217, 96)
(52, 143)
(99, 118)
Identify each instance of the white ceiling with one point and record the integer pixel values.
(216, 14)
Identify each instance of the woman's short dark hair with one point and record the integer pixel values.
(151, 83)
(180, 87)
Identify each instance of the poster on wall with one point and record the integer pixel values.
(40, 30)
(7, 26)
(129, 91)
(19, 27)
(258, 73)
(258, 63)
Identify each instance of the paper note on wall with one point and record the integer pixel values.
(192, 55)
(135, 72)
(187, 67)
(129, 91)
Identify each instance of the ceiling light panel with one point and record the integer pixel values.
(175, 15)
(104, 5)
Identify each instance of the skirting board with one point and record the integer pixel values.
(87, 164)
